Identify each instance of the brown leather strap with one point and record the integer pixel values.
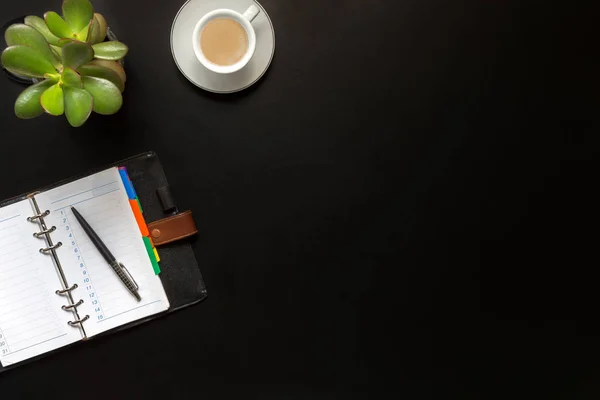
(173, 228)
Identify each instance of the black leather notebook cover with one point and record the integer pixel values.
(180, 273)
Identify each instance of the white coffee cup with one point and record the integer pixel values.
(244, 20)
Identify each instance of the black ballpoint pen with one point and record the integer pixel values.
(118, 267)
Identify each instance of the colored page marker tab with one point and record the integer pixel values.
(154, 248)
(151, 255)
(139, 218)
(135, 196)
(139, 204)
(127, 183)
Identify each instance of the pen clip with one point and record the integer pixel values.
(126, 271)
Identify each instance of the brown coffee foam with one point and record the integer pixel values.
(223, 41)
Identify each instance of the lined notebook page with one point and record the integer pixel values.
(31, 319)
(103, 202)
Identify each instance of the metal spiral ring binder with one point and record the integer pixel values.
(79, 322)
(38, 215)
(42, 233)
(67, 308)
(51, 251)
(65, 291)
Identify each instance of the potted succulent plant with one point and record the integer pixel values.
(77, 71)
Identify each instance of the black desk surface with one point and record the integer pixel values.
(403, 205)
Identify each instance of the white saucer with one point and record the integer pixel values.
(190, 67)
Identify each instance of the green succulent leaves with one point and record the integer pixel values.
(52, 100)
(110, 50)
(97, 30)
(57, 25)
(113, 65)
(39, 25)
(75, 54)
(71, 78)
(72, 94)
(99, 71)
(28, 103)
(107, 97)
(26, 61)
(80, 69)
(20, 34)
(24, 35)
(68, 96)
(77, 16)
(78, 105)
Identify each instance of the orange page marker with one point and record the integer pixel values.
(139, 218)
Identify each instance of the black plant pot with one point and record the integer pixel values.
(110, 35)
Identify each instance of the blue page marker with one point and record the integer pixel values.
(127, 183)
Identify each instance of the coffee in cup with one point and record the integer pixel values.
(224, 40)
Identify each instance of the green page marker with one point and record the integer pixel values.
(150, 251)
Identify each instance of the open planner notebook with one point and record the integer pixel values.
(41, 289)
